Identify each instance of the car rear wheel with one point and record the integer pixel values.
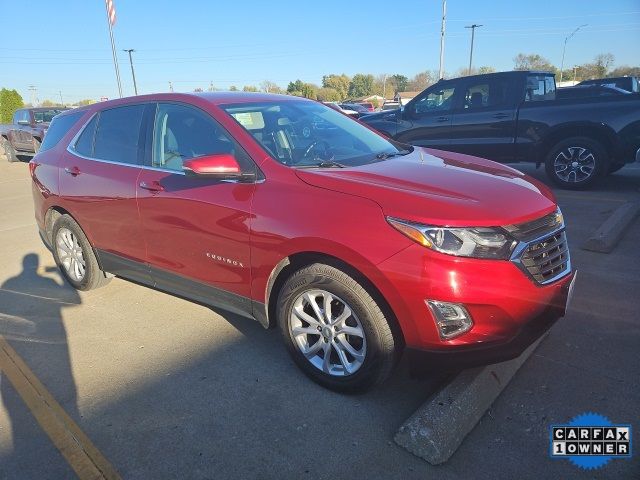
(75, 256)
(576, 163)
(8, 151)
(334, 330)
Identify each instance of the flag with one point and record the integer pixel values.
(111, 12)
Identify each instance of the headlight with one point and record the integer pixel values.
(477, 242)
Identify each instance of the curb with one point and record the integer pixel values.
(611, 231)
(436, 430)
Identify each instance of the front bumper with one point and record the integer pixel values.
(456, 358)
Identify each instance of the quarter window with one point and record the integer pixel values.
(118, 135)
(84, 145)
(540, 87)
(182, 132)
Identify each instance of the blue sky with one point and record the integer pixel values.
(64, 45)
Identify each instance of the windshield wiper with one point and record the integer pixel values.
(323, 164)
(384, 155)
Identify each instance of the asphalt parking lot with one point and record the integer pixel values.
(166, 388)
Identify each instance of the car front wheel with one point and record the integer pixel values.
(334, 330)
(576, 163)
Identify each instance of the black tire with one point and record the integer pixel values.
(578, 155)
(93, 276)
(381, 347)
(614, 167)
(9, 152)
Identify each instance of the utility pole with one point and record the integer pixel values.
(61, 102)
(473, 31)
(33, 90)
(564, 49)
(442, 28)
(170, 86)
(575, 70)
(133, 73)
(384, 86)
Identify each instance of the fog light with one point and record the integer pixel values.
(452, 319)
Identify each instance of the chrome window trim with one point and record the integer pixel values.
(518, 251)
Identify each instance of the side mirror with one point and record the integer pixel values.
(222, 166)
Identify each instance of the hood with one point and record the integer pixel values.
(381, 115)
(441, 188)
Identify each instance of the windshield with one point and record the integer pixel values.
(45, 116)
(305, 133)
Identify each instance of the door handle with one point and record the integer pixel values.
(501, 115)
(73, 171)
(152, 186)
(442, 119)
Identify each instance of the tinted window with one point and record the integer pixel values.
(58, 129)
(540, 87)
(483, 94)
(438, 99)
(40, 116)
(182, 132)
(118, 134)
(84, 145)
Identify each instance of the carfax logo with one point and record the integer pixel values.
(590, 440)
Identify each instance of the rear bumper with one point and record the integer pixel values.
(456, 358)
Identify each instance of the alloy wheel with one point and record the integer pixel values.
(574, 164)
(70, 254)
(327, 332)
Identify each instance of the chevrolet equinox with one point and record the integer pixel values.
(286, 211)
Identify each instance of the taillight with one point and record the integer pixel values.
(32, 167)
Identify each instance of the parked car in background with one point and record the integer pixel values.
(582, 91)
(517, 116)
(24, 134)
(368, 105)
(343, 109)
(391, 105)
(356, 107)
(630, 84)
(242, 201)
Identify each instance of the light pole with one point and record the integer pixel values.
(444, 18)
(133, 73)
(564, 49)
(473, 31)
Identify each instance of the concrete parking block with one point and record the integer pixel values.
(436, 430)
(611, 231)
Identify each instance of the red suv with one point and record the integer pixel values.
(283, 210)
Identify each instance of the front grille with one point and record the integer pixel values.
(536, 228)
(548, 259)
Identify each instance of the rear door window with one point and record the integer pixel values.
(118, 136)
(58, 129)
(485, 94)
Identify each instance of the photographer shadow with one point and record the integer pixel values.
(31, 321)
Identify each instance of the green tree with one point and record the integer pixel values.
(296, 86)
(10, 101)
(532, 61)
(361, 85)
(603, 63)
(326, 94)
(270, 87)
(233, 88)
(340, 83)
(86, 101)
(250, 88)
(401, 82)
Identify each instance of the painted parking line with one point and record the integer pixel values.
(81, 454)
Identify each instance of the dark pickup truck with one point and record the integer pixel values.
(24, 135)
(515, 116)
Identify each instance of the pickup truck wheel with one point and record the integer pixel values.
(576, 163)
(9, 152)
(75, 256)
(334, 330)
